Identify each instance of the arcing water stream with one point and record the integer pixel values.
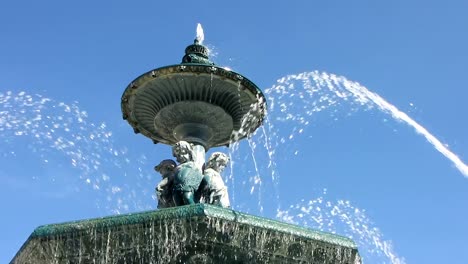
(124, 180)
(322, 90)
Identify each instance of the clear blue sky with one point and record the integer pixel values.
(81, 160)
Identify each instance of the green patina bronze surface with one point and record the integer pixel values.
(195, 101)
(198, 233)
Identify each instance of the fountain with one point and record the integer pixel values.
(192, 106)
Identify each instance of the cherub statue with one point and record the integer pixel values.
(164, 189)
(212, 189)
(187, 175)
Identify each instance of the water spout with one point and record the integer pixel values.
(200, 35)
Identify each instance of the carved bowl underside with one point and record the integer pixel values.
(198, 103)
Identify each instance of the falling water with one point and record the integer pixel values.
(343, 218)
(103, 164)
(293, 101)
(319, 91)
(57, 128)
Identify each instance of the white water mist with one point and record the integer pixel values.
(322, 90)
(200, 35)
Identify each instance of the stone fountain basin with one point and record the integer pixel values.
(224, 102)
(199, 233)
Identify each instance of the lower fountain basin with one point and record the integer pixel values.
(197, 233)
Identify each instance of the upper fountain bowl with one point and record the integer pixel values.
(195, 101)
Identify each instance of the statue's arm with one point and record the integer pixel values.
(163, 183)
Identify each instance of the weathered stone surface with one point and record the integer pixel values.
(199, 233)
(223, 106)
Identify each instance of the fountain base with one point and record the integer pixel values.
(197, 233)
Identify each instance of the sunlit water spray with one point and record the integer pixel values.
(343, 218)
(200, 35)
(317, 92)
(57, 128)
(120, 175)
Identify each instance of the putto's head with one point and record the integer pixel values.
(217, 161)
(165, 166)
(183, 151)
